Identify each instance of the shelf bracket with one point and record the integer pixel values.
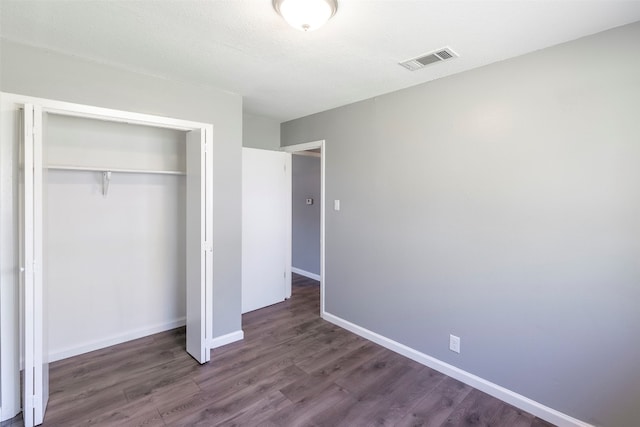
(106, 179)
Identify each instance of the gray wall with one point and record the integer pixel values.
(501, 205)
(260, 132)
(30, 71)
(305, 219)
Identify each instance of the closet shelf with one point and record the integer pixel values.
(105, 169)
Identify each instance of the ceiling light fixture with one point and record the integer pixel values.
(306, 15)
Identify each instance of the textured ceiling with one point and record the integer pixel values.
(244, 47)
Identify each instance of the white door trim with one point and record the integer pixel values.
(323, 155)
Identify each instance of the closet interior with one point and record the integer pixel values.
(114, 220)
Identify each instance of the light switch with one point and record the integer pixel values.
(310, 201)
(336, 205)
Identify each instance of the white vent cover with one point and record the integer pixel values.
(421, 61)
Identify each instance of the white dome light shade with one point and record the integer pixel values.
(306, 15)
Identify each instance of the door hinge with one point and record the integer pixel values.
(35, 401)
(207, 247)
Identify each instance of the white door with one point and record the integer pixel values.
(36, 369)
(266, 228)
(198, 241)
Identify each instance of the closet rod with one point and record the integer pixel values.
(106, 169)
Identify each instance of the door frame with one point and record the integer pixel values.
(293, 149)
(11, 351)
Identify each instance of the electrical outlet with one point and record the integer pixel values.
(454, 343)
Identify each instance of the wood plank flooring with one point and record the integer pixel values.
(292, 369)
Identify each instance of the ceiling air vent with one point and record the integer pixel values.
(421, 61)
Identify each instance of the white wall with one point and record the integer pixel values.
(98, 143)
(36, 72)
(115, 267)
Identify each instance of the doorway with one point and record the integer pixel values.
(313, 149)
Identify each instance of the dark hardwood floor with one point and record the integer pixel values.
(292, 369)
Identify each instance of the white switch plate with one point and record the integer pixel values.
(336, 205)
(454, 343)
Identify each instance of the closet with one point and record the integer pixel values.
(116, 233)
(114, 203)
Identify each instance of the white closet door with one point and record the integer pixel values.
(198, 246)
(266, 227)
(36, 370)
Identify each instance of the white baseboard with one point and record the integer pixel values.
(86, 347)
(506, 395)
(305, 274)
(226, 339)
